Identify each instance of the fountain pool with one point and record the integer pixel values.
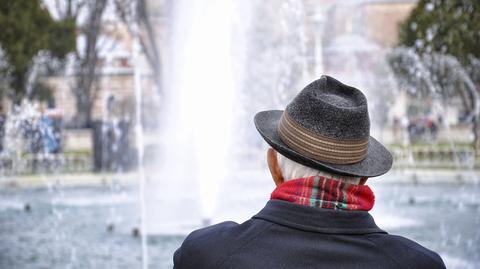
(73, 231)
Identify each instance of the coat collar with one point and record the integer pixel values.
(318, 219)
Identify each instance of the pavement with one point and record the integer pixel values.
(67, 180)
(92, 179)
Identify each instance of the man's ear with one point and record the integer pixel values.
(274, 167)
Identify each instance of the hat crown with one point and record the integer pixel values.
(332, 109)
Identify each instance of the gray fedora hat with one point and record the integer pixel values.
(326, 127)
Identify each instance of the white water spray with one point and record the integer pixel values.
(197, 118)
(139, 135)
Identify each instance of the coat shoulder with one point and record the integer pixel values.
(407, 253)
(212, 246)
(201, 248)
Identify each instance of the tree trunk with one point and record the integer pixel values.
(149, 44)
(87, 71)
(476, 134)
(83, 117)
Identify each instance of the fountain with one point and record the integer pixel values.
(183, 186)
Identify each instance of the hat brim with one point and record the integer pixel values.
(378, 160)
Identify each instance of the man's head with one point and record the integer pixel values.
(326, 127)
(284, 169)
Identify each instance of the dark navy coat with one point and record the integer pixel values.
(286, 235)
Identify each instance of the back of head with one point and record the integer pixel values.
(293, 170)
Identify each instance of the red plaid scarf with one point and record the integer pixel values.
(318, 191)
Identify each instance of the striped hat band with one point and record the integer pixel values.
(319, 147)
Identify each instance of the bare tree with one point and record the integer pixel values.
(69, 8)
(146, 36)
(4, 73)
(85, 91)
(87, 15)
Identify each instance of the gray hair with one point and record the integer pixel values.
(293, 170)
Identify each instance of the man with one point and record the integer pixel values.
(322, 154)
